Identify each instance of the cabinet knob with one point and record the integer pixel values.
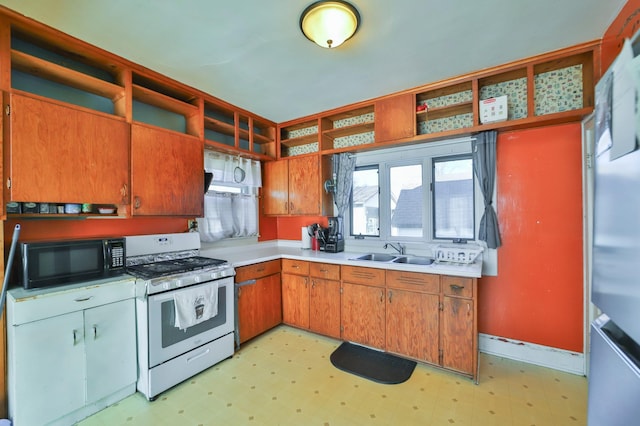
(136, 202)
(390, 295)
(95, 331)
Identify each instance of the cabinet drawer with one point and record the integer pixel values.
(324, 270)
(414, 281)
(360, 275)
(259, 270)
(457, 286)
(298, 267)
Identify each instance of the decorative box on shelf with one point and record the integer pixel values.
(493, 109)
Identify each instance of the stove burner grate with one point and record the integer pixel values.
(173, 266)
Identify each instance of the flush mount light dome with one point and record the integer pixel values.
(329, 23)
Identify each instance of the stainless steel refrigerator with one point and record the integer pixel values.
(614, 365)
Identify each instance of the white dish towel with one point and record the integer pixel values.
(195, 305)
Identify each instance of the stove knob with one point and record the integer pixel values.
(166, 286)
(196, 278)
(178, 283)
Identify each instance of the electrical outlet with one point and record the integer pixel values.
(193, 225)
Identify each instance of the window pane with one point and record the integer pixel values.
(453, 198)
(406, 201)
(365, 219)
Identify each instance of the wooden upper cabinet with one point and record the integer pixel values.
(166, 173)
(304, 186)
(276, 188)
(58, 153)
(395, 118)
(292, 186)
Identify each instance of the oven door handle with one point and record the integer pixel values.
(244, 283)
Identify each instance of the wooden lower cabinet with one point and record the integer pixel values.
(459, 329)
(363, 306)
(295, 293)
(311, 296)
(412, 324)
(259, 296)
(413, 315)
(324, 299)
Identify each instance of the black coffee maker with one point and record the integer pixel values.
(334, 237)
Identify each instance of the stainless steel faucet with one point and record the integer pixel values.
(400, 248)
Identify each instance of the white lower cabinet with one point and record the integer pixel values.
(66, 367)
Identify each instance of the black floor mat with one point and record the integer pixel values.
(378, 366)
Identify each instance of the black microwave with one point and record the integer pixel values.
(51, 263)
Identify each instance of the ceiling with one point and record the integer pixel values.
(252, 53)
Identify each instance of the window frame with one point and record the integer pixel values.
(434, 160)
(407, 155)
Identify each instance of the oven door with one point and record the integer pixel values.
(166, 341)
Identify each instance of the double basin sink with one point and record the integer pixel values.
(391, 258)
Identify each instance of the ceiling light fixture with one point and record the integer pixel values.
(329, 23)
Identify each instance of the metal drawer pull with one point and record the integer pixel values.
(83, 299)
(95, 331)
(324, 270)
(260, 270)
(455, 287)
(193, 358)
(243, 283)
(381, 295)
(75, 337)
(390, 295)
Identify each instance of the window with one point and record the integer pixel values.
(365, 202)
(453, 209)
(405, 201)
(420, 193)
(231, 201)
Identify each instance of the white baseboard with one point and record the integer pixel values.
(545, 356)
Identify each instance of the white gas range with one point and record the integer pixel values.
(185, 309)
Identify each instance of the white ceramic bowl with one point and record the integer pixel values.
(106, 210)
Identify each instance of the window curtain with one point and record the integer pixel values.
(234, 170)
(484, 167)
(343, 166)
(230, 214)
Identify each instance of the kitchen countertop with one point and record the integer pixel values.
(262, 252)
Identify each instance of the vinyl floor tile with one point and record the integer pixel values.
(284, 377)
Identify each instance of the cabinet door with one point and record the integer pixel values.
(412, 324)
(457, 334)
(259, 307)
(276, 188)
(363, 314)
(324, 307)
(47, 359)
(395, 118)
(304, 186)
(63, 154)
(166, 173)
(110, 345)
(295, 300)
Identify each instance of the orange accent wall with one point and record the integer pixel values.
(537, 296)
(624, 26)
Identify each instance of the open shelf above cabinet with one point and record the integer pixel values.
(354, 129)
(160, 100)
(50, 71)
(445, 111)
